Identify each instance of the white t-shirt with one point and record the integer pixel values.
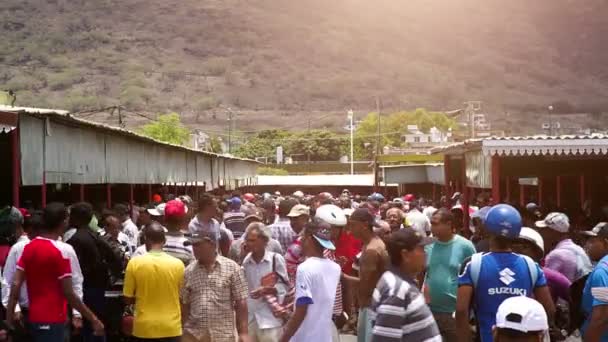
(317, 279)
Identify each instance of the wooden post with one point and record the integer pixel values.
(149, 193)
(496, 179)
(175, 189)
(81, 190)
(540, 191)
(558, 190)
(522, 195)
(434, 192)
(581, 189)
(16, 166)
(109, 195)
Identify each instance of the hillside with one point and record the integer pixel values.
(284, 58)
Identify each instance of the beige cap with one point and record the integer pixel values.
(299, 210)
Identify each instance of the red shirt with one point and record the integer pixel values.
(347, 248)
(45, 264)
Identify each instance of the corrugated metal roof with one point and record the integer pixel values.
(532, 145)
(65, 115)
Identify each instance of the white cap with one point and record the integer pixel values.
(522, 314)
(159, 210)
(298, 194)
(556, 221)
(532, 236)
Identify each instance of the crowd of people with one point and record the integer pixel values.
(303, 268)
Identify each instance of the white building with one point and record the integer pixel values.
(415, 136)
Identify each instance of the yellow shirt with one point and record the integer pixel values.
(154, 280)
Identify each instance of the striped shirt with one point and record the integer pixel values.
(399, 311)
(174, 246)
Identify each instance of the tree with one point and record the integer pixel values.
(262, 144)
(393, 126)
(167, 128)
(319, 144)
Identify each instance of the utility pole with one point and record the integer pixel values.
(377, 154)
(308, 150)
(229, 130)
(351, 115)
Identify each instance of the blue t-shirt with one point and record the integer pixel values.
(595, 292)
(501, 276)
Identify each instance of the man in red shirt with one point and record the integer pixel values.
(45, 266)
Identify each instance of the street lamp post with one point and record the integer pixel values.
(551, 128)
(352, 152)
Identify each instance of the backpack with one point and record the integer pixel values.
(583, 263)
(577, 317)
(475, 266)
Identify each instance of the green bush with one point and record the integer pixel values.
(216, 66)
(63, 80)
(269, 171)
(206, 103)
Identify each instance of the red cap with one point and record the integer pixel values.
(24, 212)
(175, 208)
(156, 198)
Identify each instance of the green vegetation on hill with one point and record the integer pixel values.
(192, 56)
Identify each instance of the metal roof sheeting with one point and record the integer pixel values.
(70, 150)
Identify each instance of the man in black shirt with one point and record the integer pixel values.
(95, 257)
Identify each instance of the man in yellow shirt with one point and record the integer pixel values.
(153, 282)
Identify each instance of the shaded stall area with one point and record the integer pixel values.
(54, 156)
(422, 180)
(566, 173)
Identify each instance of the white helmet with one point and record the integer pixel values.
(331, 214)
(532, 236)
(298, 194)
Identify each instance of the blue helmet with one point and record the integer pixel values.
(376, 197)
(503, 220)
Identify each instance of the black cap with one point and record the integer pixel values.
(600, 230)
(408, 238)
(363, 215)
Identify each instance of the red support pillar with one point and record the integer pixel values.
(508, 188)
(540, 191)
(558, 190)
(81, 191)
(446, 174)
(43, 190)
(16, 166)
(522, 195)
(109, 195)
(465, 196)
(496, 179)
(581, 188)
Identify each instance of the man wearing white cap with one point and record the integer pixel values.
(520, 319)
(565, 256)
